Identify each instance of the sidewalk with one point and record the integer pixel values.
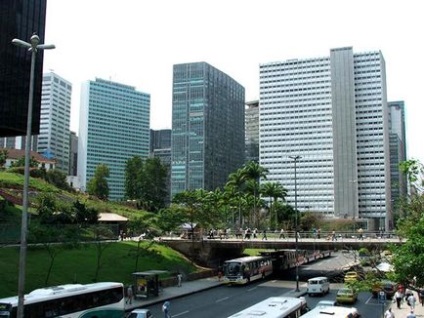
(191, 287)
(405, 309)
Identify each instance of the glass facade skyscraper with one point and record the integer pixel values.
(19, 19)
(114, 127)
(208, 134)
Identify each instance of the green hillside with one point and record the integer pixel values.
(76, 262)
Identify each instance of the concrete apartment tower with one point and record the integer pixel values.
(53, 140)
(207, 127)
(332, 112)
(114, 127)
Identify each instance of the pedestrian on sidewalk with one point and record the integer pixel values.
(411, 301)
(389, 313)
(264, 237)
(398, 297)
(179, 278)
(421, 295)
(411, 315)
(130, 295)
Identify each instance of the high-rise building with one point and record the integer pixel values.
(397, 151)
(73, 154)
(160, 139)
(252, 131)
(53, 140)
(114, 127)
(207, 127)
(332, 112)
(19, 19)
(160, 147)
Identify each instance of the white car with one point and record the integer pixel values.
(325, 303)
(140, 313)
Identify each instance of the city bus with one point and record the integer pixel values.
(99, 300)
(275, 307)
(332, 311)
(245, 269)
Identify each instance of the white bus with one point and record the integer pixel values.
(97, 300)
(275, 307)
(332, 311)
(245, 269)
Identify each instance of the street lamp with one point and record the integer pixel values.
(32, 47)
(296, 158)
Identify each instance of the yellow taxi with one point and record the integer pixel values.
(351, 277)
(346, 295)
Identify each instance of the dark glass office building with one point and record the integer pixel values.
(207, 127)
(19, 19)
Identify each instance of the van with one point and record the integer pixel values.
(318, 285)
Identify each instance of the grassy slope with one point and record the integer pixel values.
(79, 264)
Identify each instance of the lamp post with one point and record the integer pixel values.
(296, 158)
(32, 47)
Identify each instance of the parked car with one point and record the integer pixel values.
(385, 285)
(346, 295)
(351, 277)
(140, 313)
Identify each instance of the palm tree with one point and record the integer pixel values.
(254, 171)
(235, 186)
(274, 191)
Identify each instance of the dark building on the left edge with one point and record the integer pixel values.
(20, 19)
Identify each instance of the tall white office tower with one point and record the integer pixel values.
(53, 140)
(114, 127)
(332, 112)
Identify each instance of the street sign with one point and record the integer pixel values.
(382, 297)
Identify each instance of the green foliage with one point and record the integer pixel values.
(363, 251)
(33, 163)
(58, 179)
(85, 215)
(46, 206)
(3, 157)
(98, 185)
(78, 264)
(145, 181)
(408, 258)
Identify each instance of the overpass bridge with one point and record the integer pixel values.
(211, 251)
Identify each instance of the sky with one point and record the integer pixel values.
(137, 42)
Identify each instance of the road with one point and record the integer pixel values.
(224, 301)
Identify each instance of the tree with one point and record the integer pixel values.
(98, 185)
(46, 206)
(153, 191)
(408, 258)
(414, 171)
(234, 188)
(145, 181)
(85, 215)
(253, 171)
(99, 234)
(3, 157)
(58, 179)
(133, 177)
(274, 191)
